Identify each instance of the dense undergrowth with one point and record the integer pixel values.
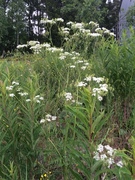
(68, 112)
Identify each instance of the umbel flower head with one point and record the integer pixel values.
(48, 118)
(108, 155)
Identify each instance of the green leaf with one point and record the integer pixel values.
(76, 175)
(96, 123)
(99, 123)
(96, 165)
(124, 170)
(123, 155)
(78, 114)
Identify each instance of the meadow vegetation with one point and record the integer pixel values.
(68, 112)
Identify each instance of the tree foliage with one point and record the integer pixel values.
(16, 16)
(131, 16)
(82, 10)
(53, 8)
(20, 20)
(111, 16)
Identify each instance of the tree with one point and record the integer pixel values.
(130, 16)
(17, 18)
(35, 12)
(53, 8)
(20, 22)
(82, 10)
(3, 23)
(111, 17)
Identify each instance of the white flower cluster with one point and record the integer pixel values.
(94, 31)
(82, 64)
(108, 32)
(81, 28)
(96, 79)
(74, 58)
(52, 21)
(33, 43)
(11, 95)
(73, 55)
(10, 88)
(47, 21)
(101, 90)
(104, 31)
(88, 78)
(46, 45)
(77, 26)
(13, 89)
(94, 24)
(62, 57)
(72, 66)
(54, 49)
(23, 93)
(48, 118)
(98, 30)
(36, 48)
(59, 20)
(22, 46)
(79, 61)
(38, 98)
(69, 23)
(108, 155)
(68, 96)
(94, 34)
(81, 84)
(65, 30)
(87, 32)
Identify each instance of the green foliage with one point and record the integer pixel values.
(21, 20)
(130, 16)
(53, 8)
(85, 125)
(16, 15)
(90, 10)
(88, 117)
(17, 22)
(111, 13)
(80, 37)
(58, 107)
(20, 128)
(132, 143)
(3, 20)
(116, 62)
